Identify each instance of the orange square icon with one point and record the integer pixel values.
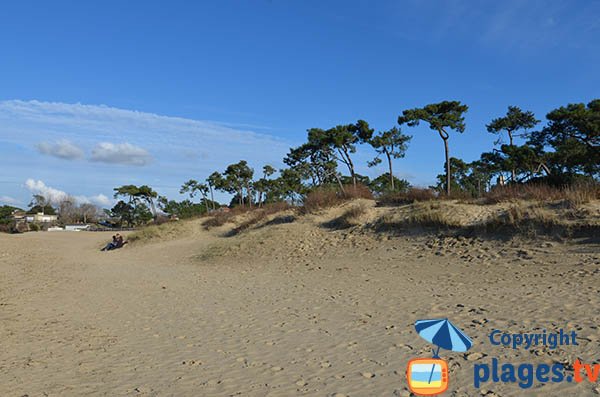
(427, 376)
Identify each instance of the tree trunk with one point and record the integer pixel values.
(513, 172)
(348, 161)
(152, 207)
(447, 150)
(212, 198)
(340, 183)
(206, 202)
(389, 158)
(352, 172)
(249, 195)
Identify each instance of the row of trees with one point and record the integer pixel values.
(564, 150)
(68, 210)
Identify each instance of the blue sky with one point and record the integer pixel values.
(97, 94)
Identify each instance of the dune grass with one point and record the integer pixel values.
(166, 230)
(352, 216)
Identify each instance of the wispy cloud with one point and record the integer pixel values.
(171, 149)
(63, 149)
(89, 124)
(120, 153)
(100, 200)
(511, 25)
(9, 200)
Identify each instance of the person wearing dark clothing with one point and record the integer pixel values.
(110, 245)
(117, 242)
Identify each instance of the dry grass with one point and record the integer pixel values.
(322, 198)
(521, 216)
(353, 216)
(219, 218)
(530, 219)
(577, 195)
(319, 199)
(163, 231)
(525, 218)
(258, 215)
(412, 195)
(359, 191)
(430, 214)
(572, 196)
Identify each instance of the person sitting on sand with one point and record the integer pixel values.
(111, 245)
(120, 241)
(117, 242)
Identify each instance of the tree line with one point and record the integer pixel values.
(562, 152)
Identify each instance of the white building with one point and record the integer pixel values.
(41, 218)
(76, 228)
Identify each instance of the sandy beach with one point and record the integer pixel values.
(284, 310)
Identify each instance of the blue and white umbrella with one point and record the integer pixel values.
(444, 334)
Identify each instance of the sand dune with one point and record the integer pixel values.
(289, 309)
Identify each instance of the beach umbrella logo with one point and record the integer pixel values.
(429, 376)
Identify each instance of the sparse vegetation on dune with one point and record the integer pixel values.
(324, 198)
(431, 214)
(258, 215)
(409, 196)
(528, 218)
(573, 195)
(220, 218)
(523, 217)
(251, 216)
(164, 231)
(354, 215)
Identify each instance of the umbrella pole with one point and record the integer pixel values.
(435, 355)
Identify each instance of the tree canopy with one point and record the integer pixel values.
(441, 117)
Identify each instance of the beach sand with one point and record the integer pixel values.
(285, 310)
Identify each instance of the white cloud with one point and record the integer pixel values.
(55, 196)
(100, 200)
(120, 153)
(51, 194)
(9, 200)
(63, 149)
